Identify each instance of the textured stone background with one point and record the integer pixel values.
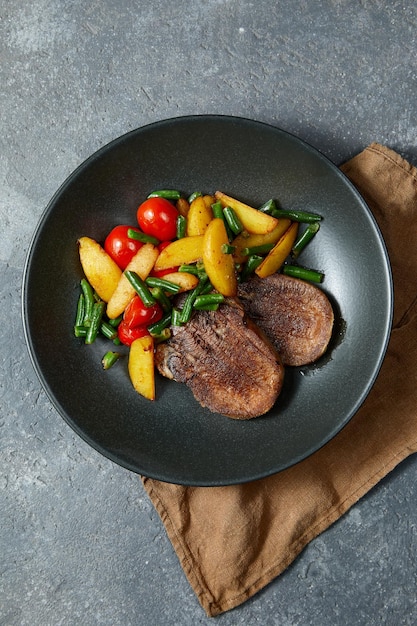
(79, 541)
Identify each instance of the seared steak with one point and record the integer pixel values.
(295, 315)
(225, 360)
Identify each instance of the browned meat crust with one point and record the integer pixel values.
(295, 315)
(224, 359)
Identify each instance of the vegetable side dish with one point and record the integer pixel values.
(207, 291)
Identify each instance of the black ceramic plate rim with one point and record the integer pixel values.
(184, 479)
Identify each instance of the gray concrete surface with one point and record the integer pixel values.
(80, 543)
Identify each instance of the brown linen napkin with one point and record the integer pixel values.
(232, 541)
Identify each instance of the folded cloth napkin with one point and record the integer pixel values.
(232, 541)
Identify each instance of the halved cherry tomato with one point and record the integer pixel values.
(158, 217)
(120, 247)
(169, 270)
(135, 320)
(128, 334)
(137, 314)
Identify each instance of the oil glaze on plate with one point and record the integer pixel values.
(174, 439)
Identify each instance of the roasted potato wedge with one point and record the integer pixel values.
(142, 263)
(252, 220)
(101, 271)
(248, 240)
(274, 260)
(219, 266)
(141, 366)
(183, 206)
(199, 217)
(185, 280)
(180, 252)
(209, 200)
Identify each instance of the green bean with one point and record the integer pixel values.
(196, 269)
(157, 327)
(79, 317)
(176, 317)
(107, 330)
(162, 336)
(181, 226)
(208, 300)
(187, 309)
(89, 301)
(190, 269)
(96, 317)
(109, 359)
(80, 331)
(262, 249)
(168, 194)
(202, 274)
(217, 210)
(227, 248)
(140, 287)
(297, 216)
(304, 273)
(116, 321)
(166, 285)
(305, 238)
(206, 287)
(143, 237)
(250, 266)
(161, 297)
(268, 207)
(194, 195)
(232, 220)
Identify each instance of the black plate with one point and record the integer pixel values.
(173, 438)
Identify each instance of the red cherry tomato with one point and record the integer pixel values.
(127, 334)
(137, 314)
(120, 247)
(158, 217)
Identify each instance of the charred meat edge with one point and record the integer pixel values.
(226, 360)
(295, 315)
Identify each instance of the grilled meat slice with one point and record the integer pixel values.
(295, 315)
(225, 360)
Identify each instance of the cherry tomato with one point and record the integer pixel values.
(120, 247)
(158, 217)
(137, 314)
(127, 334)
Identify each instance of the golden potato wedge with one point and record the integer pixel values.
(209, 200)
(252, 220)
(274, 260)
(183, 206)
(219, 266)
(101, 271)
(199, 217)
(248, 240)
(185, 280)
(141, 366)
(179, 252)
(142, 263)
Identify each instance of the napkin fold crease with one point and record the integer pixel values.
(232, 541)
